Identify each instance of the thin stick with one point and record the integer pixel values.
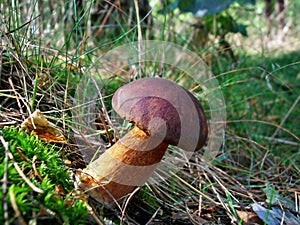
(286, 116)
(19, 28)
(278, 140)
(259, 121)
(30, 184)
(92, 213)
(14, 205)
(200, 186)
(1, 51)
(17, 97)
(153, 216)
(105, 128)
(195, 189)
(104, 20)
(127, 202)
(4, 184)
(140, 37)
(105, 112)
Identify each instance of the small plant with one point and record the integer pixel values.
(36, 184)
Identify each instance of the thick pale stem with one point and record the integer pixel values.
(127, 164)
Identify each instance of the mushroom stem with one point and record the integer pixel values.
(127, 164)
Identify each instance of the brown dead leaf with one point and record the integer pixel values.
(68, 162)
(59, 189)
(45, 130)
(249, 217)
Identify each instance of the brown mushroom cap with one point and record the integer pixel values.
(150, 103)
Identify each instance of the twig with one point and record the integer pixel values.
(262, 122)
(191, 217)
(8, 123)
(140, 37)
(236, 182)
(14, 205)
(127, 201)
(226, 206)
(297, 201)
(1, 51)
(195, 189)
(200, 187)
(23, 157)
(104, 110)
(19, 28)
(153, 216)
(92, 213)
(286, 116)
(105, 128)
(278, 140)
(36, 172)
(17, 97)
(4, 182)
(30, 184)
(104, 20)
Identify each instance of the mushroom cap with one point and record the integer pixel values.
(153, 103)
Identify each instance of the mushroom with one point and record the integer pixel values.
(163, 113)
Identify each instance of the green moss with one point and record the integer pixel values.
(50, 206)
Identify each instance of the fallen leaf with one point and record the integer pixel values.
(45, 130)
(275, 215)
(59, 189)
(249, 217)
(265, 214)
